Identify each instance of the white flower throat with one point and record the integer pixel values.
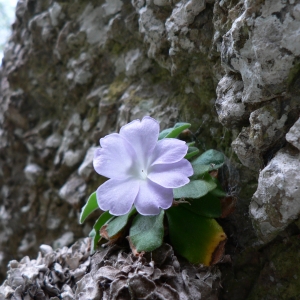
(140, 171)
(144, 174)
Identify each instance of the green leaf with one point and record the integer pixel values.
(192, 151)
(191, 144)
(218, 191)
(117, 224)
(207, 206)
(147, 232)
(90, 206)
(182, 124)
(194, 189)
(164, 133)
(200, 170)
(177, 129)
(195, 237)
(102, 220)
(173, 132)
(210, 157)
(206, 162)
(95, 239)
(95, 234)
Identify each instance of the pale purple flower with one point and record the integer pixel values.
(143, 171)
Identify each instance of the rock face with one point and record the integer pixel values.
(276, 203)
(73, 73)
(260, 54)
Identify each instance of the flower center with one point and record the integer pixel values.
(143, 174)
(139, 170)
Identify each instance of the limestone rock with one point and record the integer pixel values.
(230, 108)
(293, 135)
(33, 172)
(53, 141)
(86, 168)
(276, 204)
(73, 190)
(253, 50)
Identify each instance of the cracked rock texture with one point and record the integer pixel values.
(71, 273)
(259, 95)
(72, 74)
(75, 72)
(276, 203)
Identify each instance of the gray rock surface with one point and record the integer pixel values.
(73, 73)
(293, 135)
(259, 54)
(276, 203)
(112, 273)
(259, 97)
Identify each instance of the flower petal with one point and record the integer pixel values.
(152, 197)
(117, 196)
(142, 135)
(115, 158)
(169, 151)
(171, 175)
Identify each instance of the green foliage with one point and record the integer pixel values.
(193, 236)
(194, 189)
(192, 151)
(207, 206)
(218, 191)
(202, 182)
(117, 224)
(147, 232)
(90, 206)
(208, 161)
(175, 131)
(95, 234)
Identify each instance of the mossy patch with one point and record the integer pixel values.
(280, 276)
(293, 74)
(117, 87)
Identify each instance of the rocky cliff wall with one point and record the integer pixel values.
(73, 73)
